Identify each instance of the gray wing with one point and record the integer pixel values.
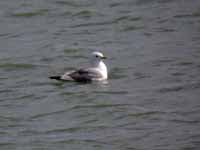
(85, 75)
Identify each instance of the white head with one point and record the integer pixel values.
(97, 62)
(98, 56)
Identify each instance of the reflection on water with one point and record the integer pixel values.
(151, 100)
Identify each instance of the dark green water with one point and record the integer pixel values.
(151, 100)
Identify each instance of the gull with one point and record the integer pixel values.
(98, 72)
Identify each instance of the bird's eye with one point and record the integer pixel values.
(97, 56)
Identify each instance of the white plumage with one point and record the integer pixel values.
(98, 72)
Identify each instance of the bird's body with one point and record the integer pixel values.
(96, 73)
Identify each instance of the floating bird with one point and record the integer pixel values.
(98, 72)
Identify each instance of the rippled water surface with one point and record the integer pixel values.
(151, 100)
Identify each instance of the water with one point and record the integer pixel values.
(151, 100)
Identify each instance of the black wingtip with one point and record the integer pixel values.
(55, 77)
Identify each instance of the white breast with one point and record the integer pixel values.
(103, 69)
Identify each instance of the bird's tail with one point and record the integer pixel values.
(55, 77)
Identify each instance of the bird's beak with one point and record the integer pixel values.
(104, 57)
